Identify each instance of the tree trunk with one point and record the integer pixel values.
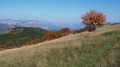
(94, 28)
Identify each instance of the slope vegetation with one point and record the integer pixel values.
(75, 50)
(20, 35)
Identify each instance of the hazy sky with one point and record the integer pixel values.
(65, 11)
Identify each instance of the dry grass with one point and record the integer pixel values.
(36, 55)
(4, 31)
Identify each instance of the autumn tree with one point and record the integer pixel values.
(65, 31)
(93, 19)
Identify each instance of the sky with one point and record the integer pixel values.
(58, 11)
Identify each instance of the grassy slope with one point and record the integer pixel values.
(86, 50)
(4, 32)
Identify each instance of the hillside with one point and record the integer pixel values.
(88, 49)
(20, 35)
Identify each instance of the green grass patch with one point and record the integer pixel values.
(87, 55)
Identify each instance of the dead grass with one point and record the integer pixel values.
(4, 31)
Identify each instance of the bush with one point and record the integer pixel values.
(91, 29)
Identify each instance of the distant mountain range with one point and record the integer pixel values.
(12, 23)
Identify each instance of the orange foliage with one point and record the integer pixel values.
(94, 18)
(65, 31)
(50, 36)
(2, 46)
(14, 33)
(8, 41)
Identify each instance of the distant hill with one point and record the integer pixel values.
(29, 23)
(21, 35)
(51, 26)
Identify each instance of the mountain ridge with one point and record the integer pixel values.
(51, 26)
(30, 23)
